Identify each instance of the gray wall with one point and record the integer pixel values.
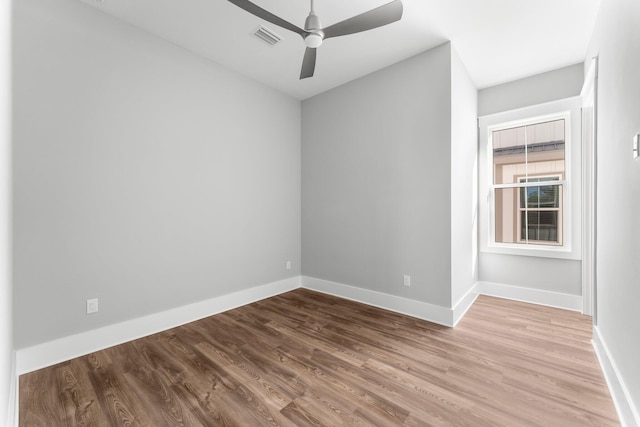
(464, 180)
(376, 180)
(545, 274)
(617, 41)
(145, 176)
(550, 86)
(7, 377)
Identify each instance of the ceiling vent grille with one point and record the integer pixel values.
(267, 36)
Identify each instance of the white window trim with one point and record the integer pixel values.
(571, 249)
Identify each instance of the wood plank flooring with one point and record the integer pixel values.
(310, 359)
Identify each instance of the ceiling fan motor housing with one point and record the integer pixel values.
(315, 36)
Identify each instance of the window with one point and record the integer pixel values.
(529, 180)
(528, 176)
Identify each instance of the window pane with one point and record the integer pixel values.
(545, 133)
(541, 225)
(528, 151)
(532, 213)
(506, 215)
(545, 148)
(509, 155)
(547, 196)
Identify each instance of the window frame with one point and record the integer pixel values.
(568, 109)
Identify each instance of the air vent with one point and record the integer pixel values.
(267, 36)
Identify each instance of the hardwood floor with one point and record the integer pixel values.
(305, 358)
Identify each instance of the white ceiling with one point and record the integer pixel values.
(497, 40)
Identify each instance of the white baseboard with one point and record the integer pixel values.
(421, 310)
(12, 407)
(628, 413)
(49, 353)
(534, 296)
(464, 304)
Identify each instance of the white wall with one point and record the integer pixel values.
(616, 41)
(7, 373)
(376, 190)
(145, 176)
(464, 180)
(540, 88)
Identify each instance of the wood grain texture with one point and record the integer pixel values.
(308, 359)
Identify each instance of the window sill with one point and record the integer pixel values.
(541, 251)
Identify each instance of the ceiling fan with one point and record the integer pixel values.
(313, 34)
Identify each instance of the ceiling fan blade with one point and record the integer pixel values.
(267, 16)
(308, 63)
(383, 15)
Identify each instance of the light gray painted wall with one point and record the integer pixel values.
(376, 173)
(546, 274)
(550, 86)
(464, 180)
(7, 377)
(617, 41)
(145, 176)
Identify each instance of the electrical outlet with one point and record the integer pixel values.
(407, 280)
(92, 305)
(288, 265)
